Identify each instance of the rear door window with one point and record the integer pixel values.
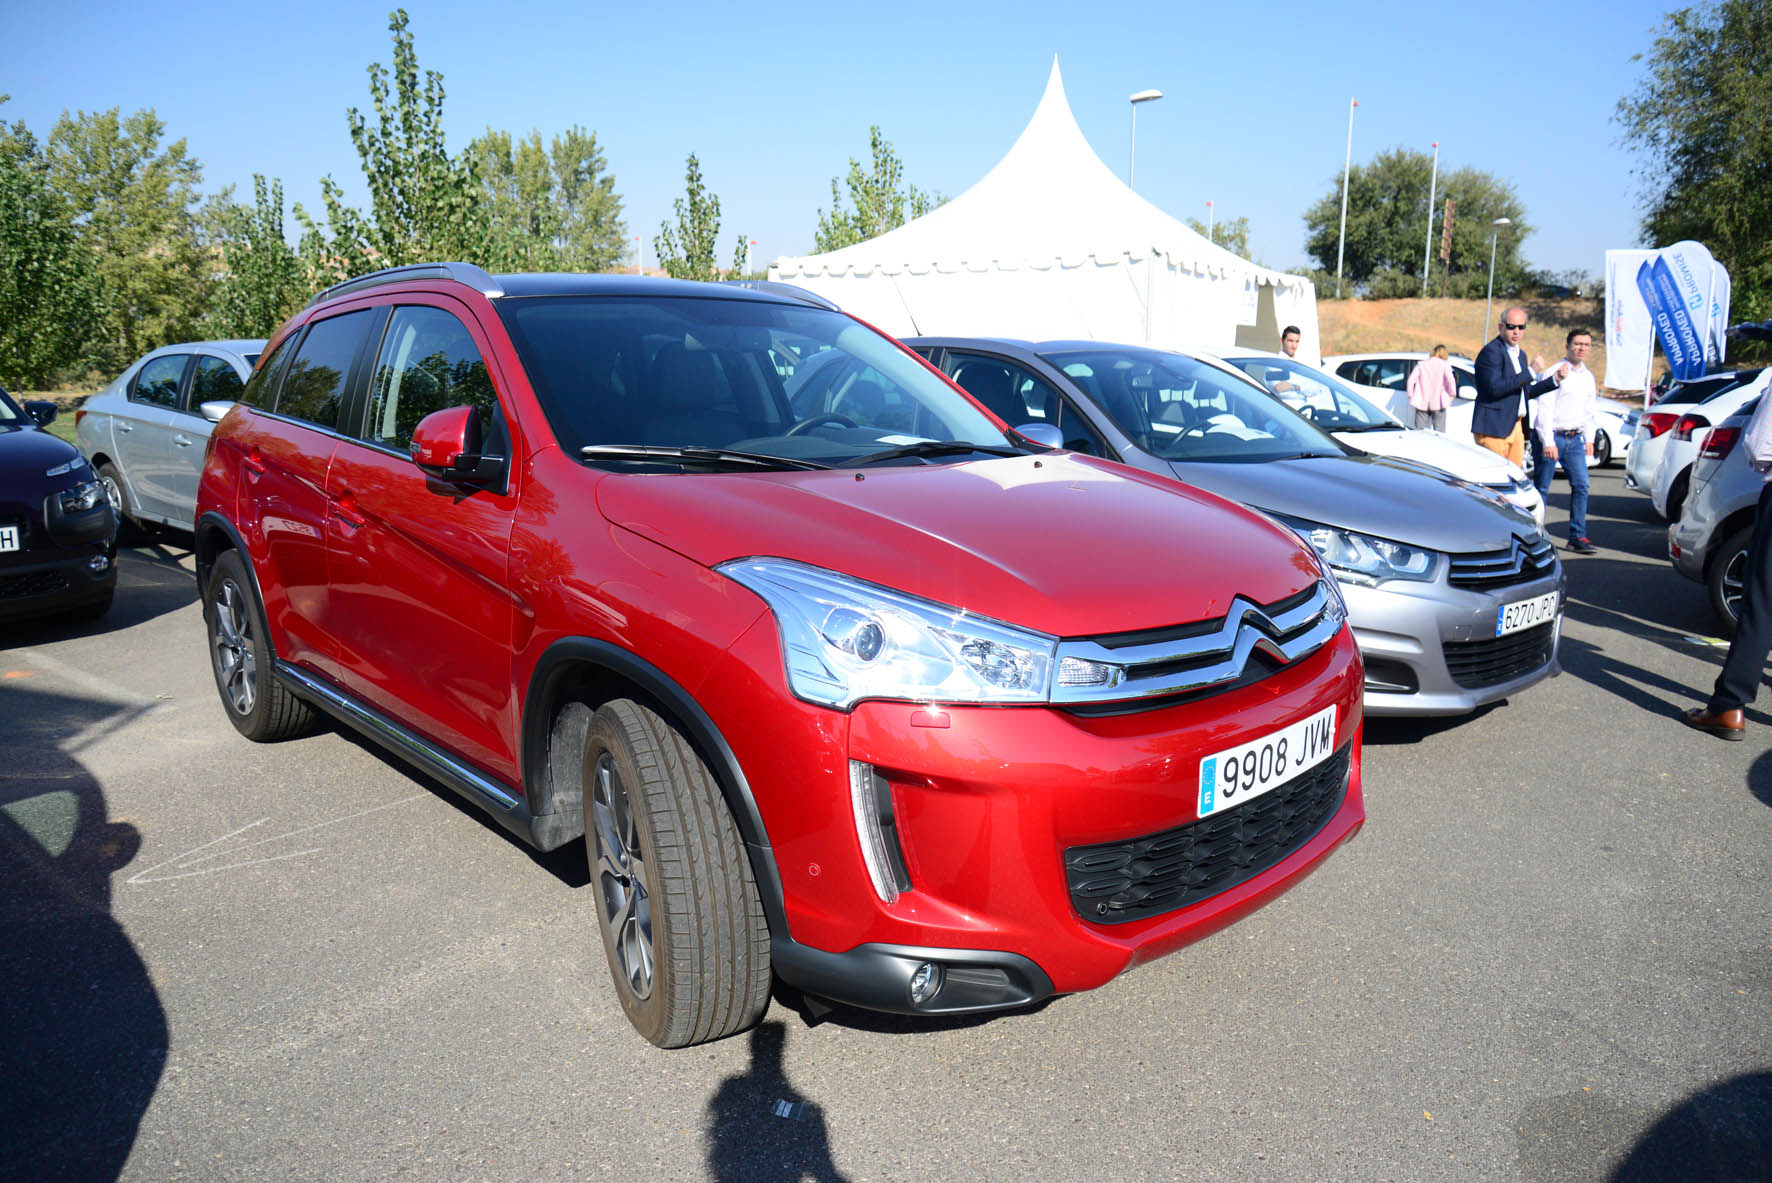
(315, 386)
(158, 382)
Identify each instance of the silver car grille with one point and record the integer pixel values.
(1198, 656)
(1522, 561)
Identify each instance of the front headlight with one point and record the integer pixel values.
(82, 497)
(1361, 558)
(846, 640)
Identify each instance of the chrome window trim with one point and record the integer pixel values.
(1287, 637)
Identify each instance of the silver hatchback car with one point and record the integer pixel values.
(1456, 596)
(145, 433)
(1709, 541)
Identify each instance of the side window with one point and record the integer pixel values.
(261, 388)
(1006, 390)
(1393, 374)
(316, 382)
(157, 384)
(214, 379)
(428, 362)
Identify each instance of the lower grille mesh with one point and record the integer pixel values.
(1476, 664)
(1120, 881)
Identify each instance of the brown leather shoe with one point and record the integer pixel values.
(1726, 724)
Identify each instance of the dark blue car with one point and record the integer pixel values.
(58, 536)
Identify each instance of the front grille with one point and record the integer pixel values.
(1521, 561)
(1116, 882)
(1476, 664)
(1161, 664)
(37, 583)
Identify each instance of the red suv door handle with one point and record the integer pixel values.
(345, 509)
(255, 463)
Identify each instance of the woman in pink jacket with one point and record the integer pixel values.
(1432, 389)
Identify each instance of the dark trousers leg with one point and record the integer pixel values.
(1742, 669)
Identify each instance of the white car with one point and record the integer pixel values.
(1673, 471)
(146, 432)
(1390, 372)
(1355, 417)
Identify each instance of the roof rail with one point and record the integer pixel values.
(464, 273)
(775, 287)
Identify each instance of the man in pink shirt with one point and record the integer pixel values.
(1431, 389)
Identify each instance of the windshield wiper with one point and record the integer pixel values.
(1366, 427)
(932, 448)
(704, 457)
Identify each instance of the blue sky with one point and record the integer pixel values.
(775, 98)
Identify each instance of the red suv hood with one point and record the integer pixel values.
(1090, 548)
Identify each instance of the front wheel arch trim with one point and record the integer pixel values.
(565, 662)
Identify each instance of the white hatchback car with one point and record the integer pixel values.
(1709, 542)
(1653, 426)
(145, 433)
(1354, 416)
(1390, 372)
(1673, 471)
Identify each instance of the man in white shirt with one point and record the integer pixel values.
(1565, 427)
(1725, 715)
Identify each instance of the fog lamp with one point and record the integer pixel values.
(98, 564)
(925, 982)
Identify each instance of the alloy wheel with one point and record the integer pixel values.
(621, 878)
(234, 657)
(1734, 578)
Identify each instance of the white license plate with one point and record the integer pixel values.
(1511, 618)
(1248, 770)
(8, 538)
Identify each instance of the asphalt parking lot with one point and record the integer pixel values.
(1547, 957)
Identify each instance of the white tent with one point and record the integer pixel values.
(1051, 244)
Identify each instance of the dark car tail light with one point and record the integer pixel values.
(1659, 423)
(1718, 443)
(1689, 422)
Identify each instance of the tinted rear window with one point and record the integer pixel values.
(316, 382)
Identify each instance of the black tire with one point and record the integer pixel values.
(1602, 449)
(259, 706)
(1676, 495)
(1728, 573)
(130, 532)
(683, 927)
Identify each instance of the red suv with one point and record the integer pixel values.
(885, 699)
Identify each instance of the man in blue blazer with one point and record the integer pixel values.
(1504, 383)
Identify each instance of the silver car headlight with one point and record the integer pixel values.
(846, 640)
(1362, 558)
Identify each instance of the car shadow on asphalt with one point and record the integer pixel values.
(85, 1038)
(150, 583)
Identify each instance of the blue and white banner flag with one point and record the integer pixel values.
(1630, 337)
(1679, 337)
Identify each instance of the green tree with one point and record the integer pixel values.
(550, 208)
(47, 298)
(134, 205)
(880, 196)
(1230, 233)
(1387, 227)
(686, 250)
(424, 204)
(261, 281)
(1702, 119)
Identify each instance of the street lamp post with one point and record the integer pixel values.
(1209, 237)
(1346, 167)
(1143, 96)
(1428, 246)
(1494, 233)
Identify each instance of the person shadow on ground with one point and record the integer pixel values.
(761, 1128)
